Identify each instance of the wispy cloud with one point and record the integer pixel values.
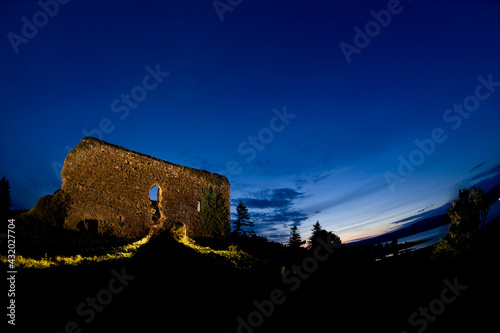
(285, 217)
(478, 166)
(374, 186)
(271, 198)
(493, 171)
(313, 178)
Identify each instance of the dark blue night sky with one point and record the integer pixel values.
(354, 113)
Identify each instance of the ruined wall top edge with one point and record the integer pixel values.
(91, 143)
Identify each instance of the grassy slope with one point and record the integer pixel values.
(174, 281)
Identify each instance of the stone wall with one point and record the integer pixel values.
(111, 184)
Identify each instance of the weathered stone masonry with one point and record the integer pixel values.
(111, 184)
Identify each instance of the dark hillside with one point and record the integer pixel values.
(172, 287)
(169, 284)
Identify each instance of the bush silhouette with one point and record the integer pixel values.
(467, 214)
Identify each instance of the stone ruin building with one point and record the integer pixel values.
(109, 186)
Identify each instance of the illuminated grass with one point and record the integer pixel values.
(238, 259)
(121, 252)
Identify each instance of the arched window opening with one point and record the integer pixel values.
(153, 198)
(153, 193)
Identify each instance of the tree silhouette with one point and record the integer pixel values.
(319, 233)
(394, 246)
(295, 241)
(467, 214)
(469, 211)
(249, 228)
(241, 219)
(4, 198)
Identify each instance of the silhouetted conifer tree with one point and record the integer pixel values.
(319, 233)
(249, 225)
(241, 217)
(295, 240)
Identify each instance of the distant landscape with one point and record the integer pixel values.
(437, 217)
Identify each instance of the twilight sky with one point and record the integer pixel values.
(354, 113)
